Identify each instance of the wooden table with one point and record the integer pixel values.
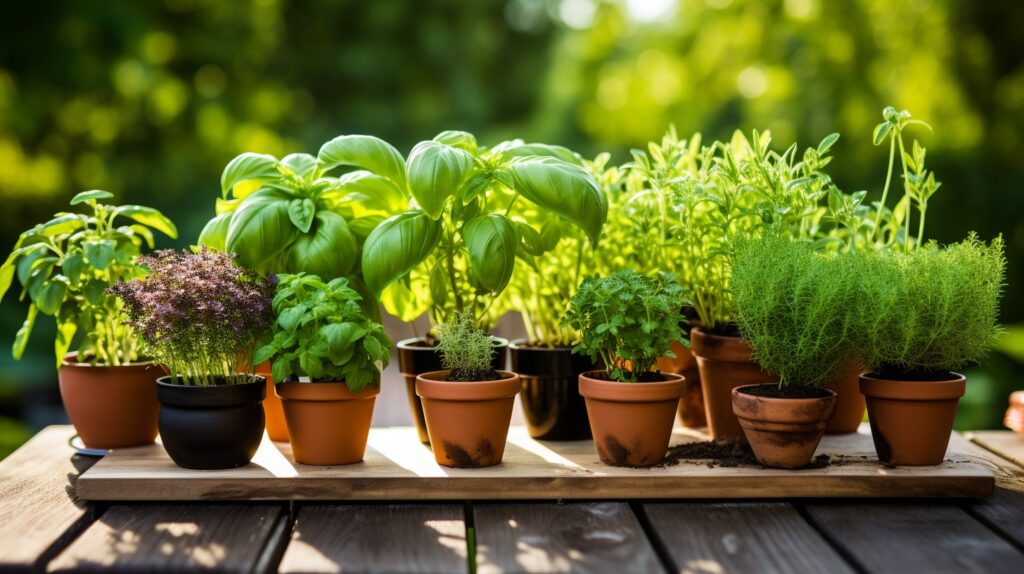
(43, 527)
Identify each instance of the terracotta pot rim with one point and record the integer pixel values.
(913, 390)
(431, 386)
(724, 348)
(615, 391)
(1017, 398)
(523, 345)
(323, 391)
(70, 361)
(782, 412)
(790, 400)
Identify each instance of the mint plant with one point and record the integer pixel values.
(627, 320)
(321, 332)
(65, 267)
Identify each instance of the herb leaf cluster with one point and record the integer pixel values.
(466, 351)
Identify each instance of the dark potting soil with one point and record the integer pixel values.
(786, 392)
(645, 377)
(897, 374)
(473, 375)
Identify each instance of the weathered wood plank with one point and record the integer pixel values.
(398, 467)
(1006, 444)
(550, 537)
(174, 538)
(741, 537)
(39, 512)
(395, 538)
(902, 538)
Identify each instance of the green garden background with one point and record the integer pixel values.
(151, 99)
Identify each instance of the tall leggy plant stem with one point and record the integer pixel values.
(885, 190)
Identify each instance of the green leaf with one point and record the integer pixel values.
(301, 164)
(396, 246)
(62, 342)
(99, 252)
(260, 229)
(92, 194)
(340, 337)
(532, 242)
(541, 150)
(491, 241)
(246, 167)
(462, 140)
(6, 276)
(881, 132)
(550, 234)
(311, 365)
(438, 285)
(21, 338)
(563, 188)
(404, 303)
(214, 234)
(149, 216)
(364, 152)
(290, 318)
(372, 191)
(72, 265)
(329, 250)
(435, 173)
(281, 369)
(264, 353)
(301, 211)
(827, 143)
(61, 225)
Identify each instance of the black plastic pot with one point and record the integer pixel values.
(552, 404)
(213, 427)
(416, 356)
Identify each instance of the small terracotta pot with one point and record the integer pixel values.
(415, 357)
(911, 421)
(691, 405)
(631, 422)
(111, 407)
(850, 405)
(782, 432)
(467, 421)
(273, 412)
(328, 423)
(1015, 414)
(552, 405)
(725, 363)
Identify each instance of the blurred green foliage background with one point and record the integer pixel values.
(151, 99)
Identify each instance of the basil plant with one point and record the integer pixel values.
(474, 212)
(65, 267)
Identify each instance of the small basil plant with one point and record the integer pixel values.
(628, 320)
(65, 267)
(321, 332)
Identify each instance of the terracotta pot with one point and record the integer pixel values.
(273, 412)
(911, 421)
(783, 432)
(111, 407)
(415, 357)
(328, 423)
(1015, 414)
(850, 405)
(467, 421)
(691, 406)
(211, 427)
(631, 422)
(552, 404)
(725, 363)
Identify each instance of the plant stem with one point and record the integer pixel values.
(885, 190)
(906, 191)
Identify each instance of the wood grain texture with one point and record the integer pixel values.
(173, 538)
(902, 538)
(572, 537)
(1006, 444)
(39, 512)
(744, 537)
(395, 538)
(398, 467)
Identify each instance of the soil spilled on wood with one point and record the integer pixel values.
(731, 453)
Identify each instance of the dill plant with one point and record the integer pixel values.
(466, 351)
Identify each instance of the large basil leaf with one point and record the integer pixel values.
(455, 138)
(214, 235)
(149, 216)
(372, 191)
(436, 171)
(565, 189)
(99, 252)
(364, 152)
(300, 164)
(328, 250)
(396, 246)
(248, 166)
(491, 241)
(260, 229)
(541, 150)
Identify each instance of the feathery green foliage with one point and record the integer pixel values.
(464, 348)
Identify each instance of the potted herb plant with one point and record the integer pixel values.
(925, 314)
(200, 313)
(628, 320)
(327, 356)
(468, 405)
(65, 266)
(454, 251)
(797, 307)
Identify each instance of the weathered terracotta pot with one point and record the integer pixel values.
(631, 422)
(111, 407)
(415, 357)
(1015, 414)
(467, 421)
(328, 423)
(850, 405)
(911, 421)
(277, 429)
(691, 405)
(783, 432)
(551, 400)
(725, 363)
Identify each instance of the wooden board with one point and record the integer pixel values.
(741, 537)
(39, 512)
(398, 467)
(1006, 444)
(398, 538)
(551, 537)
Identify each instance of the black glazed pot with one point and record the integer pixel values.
(552, 404)
(416, 356)
(215, 427)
